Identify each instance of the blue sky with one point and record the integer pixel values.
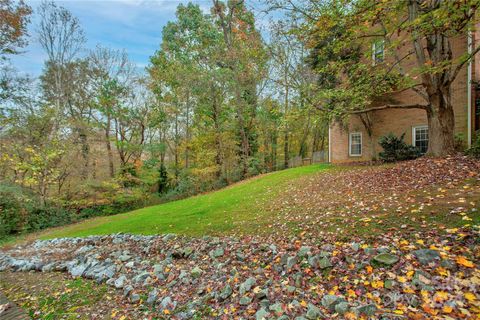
(133, 25)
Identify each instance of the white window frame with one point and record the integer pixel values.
(414, 133)
(350, 144)
(374, 50)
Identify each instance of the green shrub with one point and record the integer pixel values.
(21, 211)
(41, 218)
(474, 150)
(162, 179)
(12, 210)
(395, 149)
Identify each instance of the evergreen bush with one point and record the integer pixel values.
(395, 149)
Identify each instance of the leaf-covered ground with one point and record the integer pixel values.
(58, 296)
(384, 242)
(409, 197)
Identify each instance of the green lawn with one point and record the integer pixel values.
(235, 209)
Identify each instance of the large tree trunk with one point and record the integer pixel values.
(109, 148)
(441, 124)
(285, 148)
(85, 152)
(218, 138)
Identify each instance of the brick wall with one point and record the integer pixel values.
(399, 121)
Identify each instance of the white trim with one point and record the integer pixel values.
(330, 143)
(469, 90)
(350, 144)
(414, 129)
(374, 51)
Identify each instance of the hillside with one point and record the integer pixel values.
(369, 242)
(234, 210)
(318, 199)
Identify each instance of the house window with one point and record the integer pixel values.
(355, 144)
(378, 51)
(420, 138)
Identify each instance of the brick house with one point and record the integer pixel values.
(351, 142)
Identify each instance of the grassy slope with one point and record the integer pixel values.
(236, 207)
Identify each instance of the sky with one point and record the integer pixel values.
(133, 25)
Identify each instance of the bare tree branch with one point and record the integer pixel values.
(391, 106)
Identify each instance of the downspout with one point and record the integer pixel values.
(469, 89)
(329, 143)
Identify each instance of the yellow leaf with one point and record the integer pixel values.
(303, 303)
(464, 262)
(447, 309)
(401, 279)
(408, 290)
(377, 284)
(122, 318)
(369, 269)
(398, 311)
(442, 271)
(470, 296)
(441, 296)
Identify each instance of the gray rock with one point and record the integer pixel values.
(265, 304)
(127, 290)
(245, 301)
(261, 294)
(140, 278)
(134, 298)
(425, 256)
(124, 257)
(120, 282)
(276, 308)
(355, 246)
(187, 252)
(313, 261)
(183, 274)
(261, 314)
(78, 270)
(196, 272)
(342, 308)
(324, 263)
(291, 261)
(218, 252)
(366, 310)
(386, 258)
(329, 301)
(247, 285)
(304, 251)
(152, 297)
(168, 236)
(226, 292)
(167, 303)
(313, 312)
(240, 256)
(158, 268)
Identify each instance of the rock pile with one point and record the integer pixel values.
(181, 277)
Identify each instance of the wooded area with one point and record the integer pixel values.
(220, 101)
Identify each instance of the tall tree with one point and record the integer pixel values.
(246, 59)
(14, 17)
